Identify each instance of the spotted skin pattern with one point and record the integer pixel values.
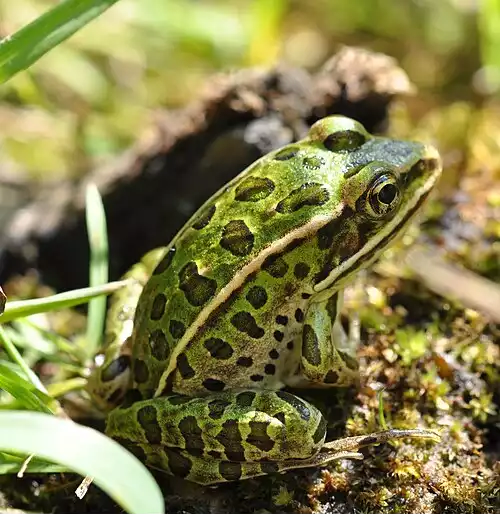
(245, 301)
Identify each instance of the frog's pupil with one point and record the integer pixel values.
(387, 194)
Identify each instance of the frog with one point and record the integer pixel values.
(224, 326)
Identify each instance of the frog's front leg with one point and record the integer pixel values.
(328, 354)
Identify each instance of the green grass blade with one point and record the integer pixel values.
(16, 357)
(85, 451)
(26, 46)
(98, 242)
(23, 308)
(24, 392)
(10, 464)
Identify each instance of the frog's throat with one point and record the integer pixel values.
(278, 246)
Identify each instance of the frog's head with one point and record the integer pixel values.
(379, 185)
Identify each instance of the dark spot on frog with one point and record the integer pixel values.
(259, 437)
(245, 399)
(256, 378)
(212, 384)
(158, 307)
(257, 297)
(306, 296)
(308, 194)
(197, 288)
(215, 454)
(230, 470)
(320, 432)
(331, 232)
(245, 362)
(296, 403)
(192, 434)
(278, 335)
(204, 218)
(159, 345)
(269, 369)
(275, 265)
(216, 408)
(254, 189)
(230, 438)
(289, 345)
(183, 366)
(237, 238)
(131, 396)
(344, 141)
(310, 345)
(301, 270)
(286, 153)
(179, 399)
(332, 377)
(147, 418)
(280, 416)
(331, 307)
(179, 465)
(245, 322)
(299, 315)
(218, 348)
(282, 320)
(269, 467)
(274, 354)
(141, 371)
(176, 328)
(165, 262)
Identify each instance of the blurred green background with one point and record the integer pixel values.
(90, 98)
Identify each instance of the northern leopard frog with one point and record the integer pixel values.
(245, 300)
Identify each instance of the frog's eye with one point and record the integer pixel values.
(384, 195)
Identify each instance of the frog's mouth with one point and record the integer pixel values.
(425, 172)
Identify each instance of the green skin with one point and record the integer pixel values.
(245, 301)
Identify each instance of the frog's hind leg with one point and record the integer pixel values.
(220, 437)
(231, 436)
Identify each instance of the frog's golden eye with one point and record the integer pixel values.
(384, 195)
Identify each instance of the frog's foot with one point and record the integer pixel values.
(348, 447)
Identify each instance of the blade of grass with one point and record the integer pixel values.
(16, 357)
(98, 242)
(26, 46)
(10, 464)
(26, 393)
(22, 308)
(85, 451)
